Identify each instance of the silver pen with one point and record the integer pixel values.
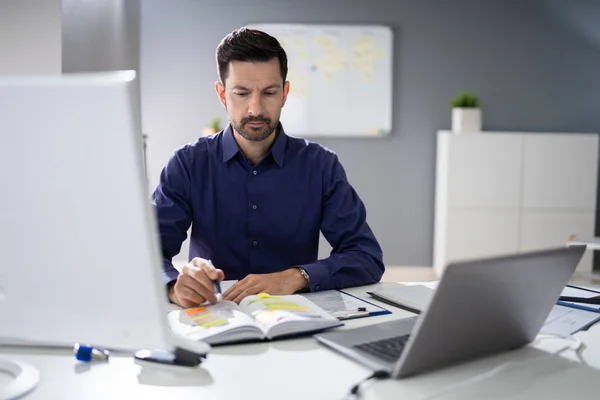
(216, 285)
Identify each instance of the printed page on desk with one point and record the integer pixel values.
(341, 305)
(564, 321)
(257, 317)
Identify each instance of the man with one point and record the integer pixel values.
(257, 198)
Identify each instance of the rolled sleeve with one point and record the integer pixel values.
(319, 276)
(169, 272)
(356, 257)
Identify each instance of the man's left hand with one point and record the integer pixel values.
(278, 283)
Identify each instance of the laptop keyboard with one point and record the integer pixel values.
(387, 349)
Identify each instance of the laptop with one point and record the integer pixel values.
(480, 307)
(80, 248)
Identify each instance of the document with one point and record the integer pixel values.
(343, 306)
(564, 321)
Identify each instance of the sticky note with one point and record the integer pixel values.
(217, 322)
(272, 305)
(267, 296)
(203, 318)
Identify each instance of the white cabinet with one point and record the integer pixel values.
(502, 192)
(559, 171)
(479, 232)
(547, 227)
(487, 171)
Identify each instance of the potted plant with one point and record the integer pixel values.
(466, 114)
(215, 126)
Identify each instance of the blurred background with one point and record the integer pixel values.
(433, 194)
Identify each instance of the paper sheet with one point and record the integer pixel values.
(335, 302)
(564, 321)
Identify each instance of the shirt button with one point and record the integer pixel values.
(255, 172)
(317, 287)
(254, 243)
(254, 207)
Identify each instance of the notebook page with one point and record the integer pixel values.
(214, 323)
(280, 315)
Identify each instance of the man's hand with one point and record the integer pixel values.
(285, 282)
(194, 284)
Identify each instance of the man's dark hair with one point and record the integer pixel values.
(252, 46)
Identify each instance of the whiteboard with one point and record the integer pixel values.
(340, 79)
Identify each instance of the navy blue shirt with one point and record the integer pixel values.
(254, 219)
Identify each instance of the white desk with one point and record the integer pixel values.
(303, 369)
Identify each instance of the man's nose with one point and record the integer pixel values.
(255, 107)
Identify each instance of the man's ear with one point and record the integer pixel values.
(286, 90)
(220, 89)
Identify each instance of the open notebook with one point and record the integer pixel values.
(258, 317)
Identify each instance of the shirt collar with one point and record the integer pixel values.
(231, 148)
(278, 147)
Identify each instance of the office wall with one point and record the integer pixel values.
(532, 67)
(100, 35)
(582, 17)
(30, 37)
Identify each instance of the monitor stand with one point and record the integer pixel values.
(25, 378)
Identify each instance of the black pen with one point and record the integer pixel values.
(583, 300)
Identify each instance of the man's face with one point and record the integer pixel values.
(253, 96)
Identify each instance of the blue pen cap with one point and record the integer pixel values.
(83, 353)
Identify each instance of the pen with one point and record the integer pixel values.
(87, 353)
(583, 300)
(216, 285)
(347, 314)
(350, 314)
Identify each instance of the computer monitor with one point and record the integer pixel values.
(79, 246)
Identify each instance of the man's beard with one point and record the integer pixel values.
(255, 134)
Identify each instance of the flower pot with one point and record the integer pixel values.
(466, 120)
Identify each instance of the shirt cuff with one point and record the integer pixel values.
(319, 277)
(169, 272)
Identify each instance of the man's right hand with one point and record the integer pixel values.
(194, 284)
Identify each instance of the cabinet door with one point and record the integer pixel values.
(560, 171)
(547, 228)
(476, 233)
(484, 170)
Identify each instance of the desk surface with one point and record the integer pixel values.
(302, 368)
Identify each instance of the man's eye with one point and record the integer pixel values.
(241, 94)
(270, 93)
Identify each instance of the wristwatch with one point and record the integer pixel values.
(305, 276)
